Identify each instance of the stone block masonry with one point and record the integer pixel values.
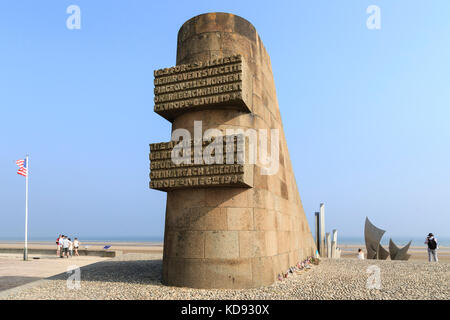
(222, 82)
(244, 231)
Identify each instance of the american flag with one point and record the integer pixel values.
(22, 167)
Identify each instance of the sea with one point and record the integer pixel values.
(400, 241)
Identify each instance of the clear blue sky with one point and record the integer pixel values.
(366, 112)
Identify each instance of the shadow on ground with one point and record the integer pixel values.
(8, 282)
(127, 271)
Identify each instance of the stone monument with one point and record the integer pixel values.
(320, 240)
(317, 228)
(328, 244)
(334, 248)
(232, 224)
(322, 230)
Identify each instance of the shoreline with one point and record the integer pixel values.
(117, 242)
(418, 253)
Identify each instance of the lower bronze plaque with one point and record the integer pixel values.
(167, 174)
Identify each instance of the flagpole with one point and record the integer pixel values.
(25, 250)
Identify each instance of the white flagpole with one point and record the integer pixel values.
(25, 250)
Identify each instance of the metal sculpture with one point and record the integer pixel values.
(383, 254)
(398, 254)
(373, 237)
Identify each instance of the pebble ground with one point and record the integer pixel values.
(138, 276)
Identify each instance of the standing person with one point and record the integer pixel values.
(70, 247)
(431, 241)
(76, 244)
(66, 247)
(57, 245)
(61, 250)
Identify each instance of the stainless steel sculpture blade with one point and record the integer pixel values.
(383, 254)
(399, 254)
(372, 236)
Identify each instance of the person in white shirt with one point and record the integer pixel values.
(76, 244)
(360, 254)
(70, 247)
(65, 244)
(60, 245)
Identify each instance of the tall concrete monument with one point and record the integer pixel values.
(229, 224)
(322, 230)
(320, 239)
(317, 228)
(328, 245)
(334, 249)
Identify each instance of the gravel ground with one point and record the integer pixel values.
(138, 276)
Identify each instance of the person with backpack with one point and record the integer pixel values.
(431, 241)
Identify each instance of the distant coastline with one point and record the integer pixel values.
(400, 241)
(137, 239)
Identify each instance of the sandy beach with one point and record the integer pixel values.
(136, 274)
(418, 253)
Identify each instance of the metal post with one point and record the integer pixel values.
(25, 249)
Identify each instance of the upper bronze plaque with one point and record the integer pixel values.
(218, 83)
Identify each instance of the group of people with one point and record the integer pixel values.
(65, 247)
(431, 243)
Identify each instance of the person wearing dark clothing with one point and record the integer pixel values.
(431, 242)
